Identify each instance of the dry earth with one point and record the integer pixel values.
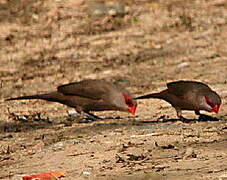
(143, 44)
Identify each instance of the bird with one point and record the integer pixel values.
(188, 95)
(89, 95)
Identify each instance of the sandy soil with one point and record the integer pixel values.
(46, 43)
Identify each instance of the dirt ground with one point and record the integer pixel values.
(141, 44)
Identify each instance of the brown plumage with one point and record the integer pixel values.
(188, 95)
(90, 95)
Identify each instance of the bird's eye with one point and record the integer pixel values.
(129, 102)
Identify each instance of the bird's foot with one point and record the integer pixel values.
(183, 119)
(90, 117)
(84, 117)
(197, 113)
(179, 115)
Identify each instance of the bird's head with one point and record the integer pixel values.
(213, 100)
(131, 103)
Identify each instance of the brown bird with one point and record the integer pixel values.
(188, 95)
(90, 95)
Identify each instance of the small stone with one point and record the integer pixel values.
(183, 64)
(127, 8)
(35, 16)
(57, 147)
(112, 12)
(190, 153)
(119, 159)
(72, 112)
(97, 12)
(24, 118)
(122, 148)
(86, 173)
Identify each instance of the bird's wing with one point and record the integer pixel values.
(182, 88)
(93, 89)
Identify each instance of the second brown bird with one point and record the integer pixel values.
(188, 95)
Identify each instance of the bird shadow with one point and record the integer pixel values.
(204, 117)
(35, 121)
(23, 126)
(24, 123)
(120, 121)
(201, 118)
(62, 131)
(166, 119)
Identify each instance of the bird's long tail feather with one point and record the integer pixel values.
(53, 96)
(24, 97)
(153, 95)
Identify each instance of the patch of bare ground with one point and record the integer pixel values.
(141, 44)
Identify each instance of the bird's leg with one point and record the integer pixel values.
(197, 113)
(88, 116)
(201, 116)
(91, 116)
(204, 117)
(81, 114)
(179, 115)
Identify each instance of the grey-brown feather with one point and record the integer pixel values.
(86, 95)
(186, 95)
(181, 88)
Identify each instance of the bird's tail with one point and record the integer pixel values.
(153, 95)
(53, 96)
(24, 97)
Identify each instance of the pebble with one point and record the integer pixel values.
(183, 64)
(190, 153)
(111, 10)
(86, 173)
(56, 147)
(72, 112)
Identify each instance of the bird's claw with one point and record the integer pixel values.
(91, 117)
(183, 119)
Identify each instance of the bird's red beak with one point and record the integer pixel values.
(132, 110)
(215, 108)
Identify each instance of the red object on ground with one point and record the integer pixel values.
(46, 176)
